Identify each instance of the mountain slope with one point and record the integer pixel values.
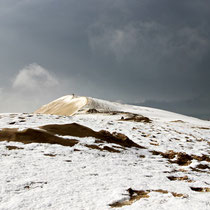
(116, 156)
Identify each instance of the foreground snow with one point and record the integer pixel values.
(51, 176)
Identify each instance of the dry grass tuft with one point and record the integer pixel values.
(133, 197)
(182, 158)
(200, 189)
(13, 147)
(183, 178)
(136, 118)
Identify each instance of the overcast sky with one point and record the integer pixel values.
(148, 52)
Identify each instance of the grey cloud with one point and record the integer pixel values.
(115, 49)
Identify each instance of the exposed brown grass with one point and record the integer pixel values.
(154, 144)
(199, 170)
(135, 195)
(178, 121)
(201, 158)
(202, 166)
(203, 128)
(161, 191)
(34, 136)
(12, 123)
(33, 185)
(92, 111)
(78, 130)
(179, 195)
(72, 129)
(105, 148)
(50, 155)
(13, 147)
(169, 154)
(136, 118)
(181, 158)
(200, 189)
(183, 178)
(48, 134)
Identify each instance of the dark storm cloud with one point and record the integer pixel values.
(133, 51)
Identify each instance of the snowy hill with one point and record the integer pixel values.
(94, 154)
(71, 104)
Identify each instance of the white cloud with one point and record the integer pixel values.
(32, 87)
(34, 77)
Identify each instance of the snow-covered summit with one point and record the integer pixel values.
(71, 104)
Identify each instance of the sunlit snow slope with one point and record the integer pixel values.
(71, 104)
